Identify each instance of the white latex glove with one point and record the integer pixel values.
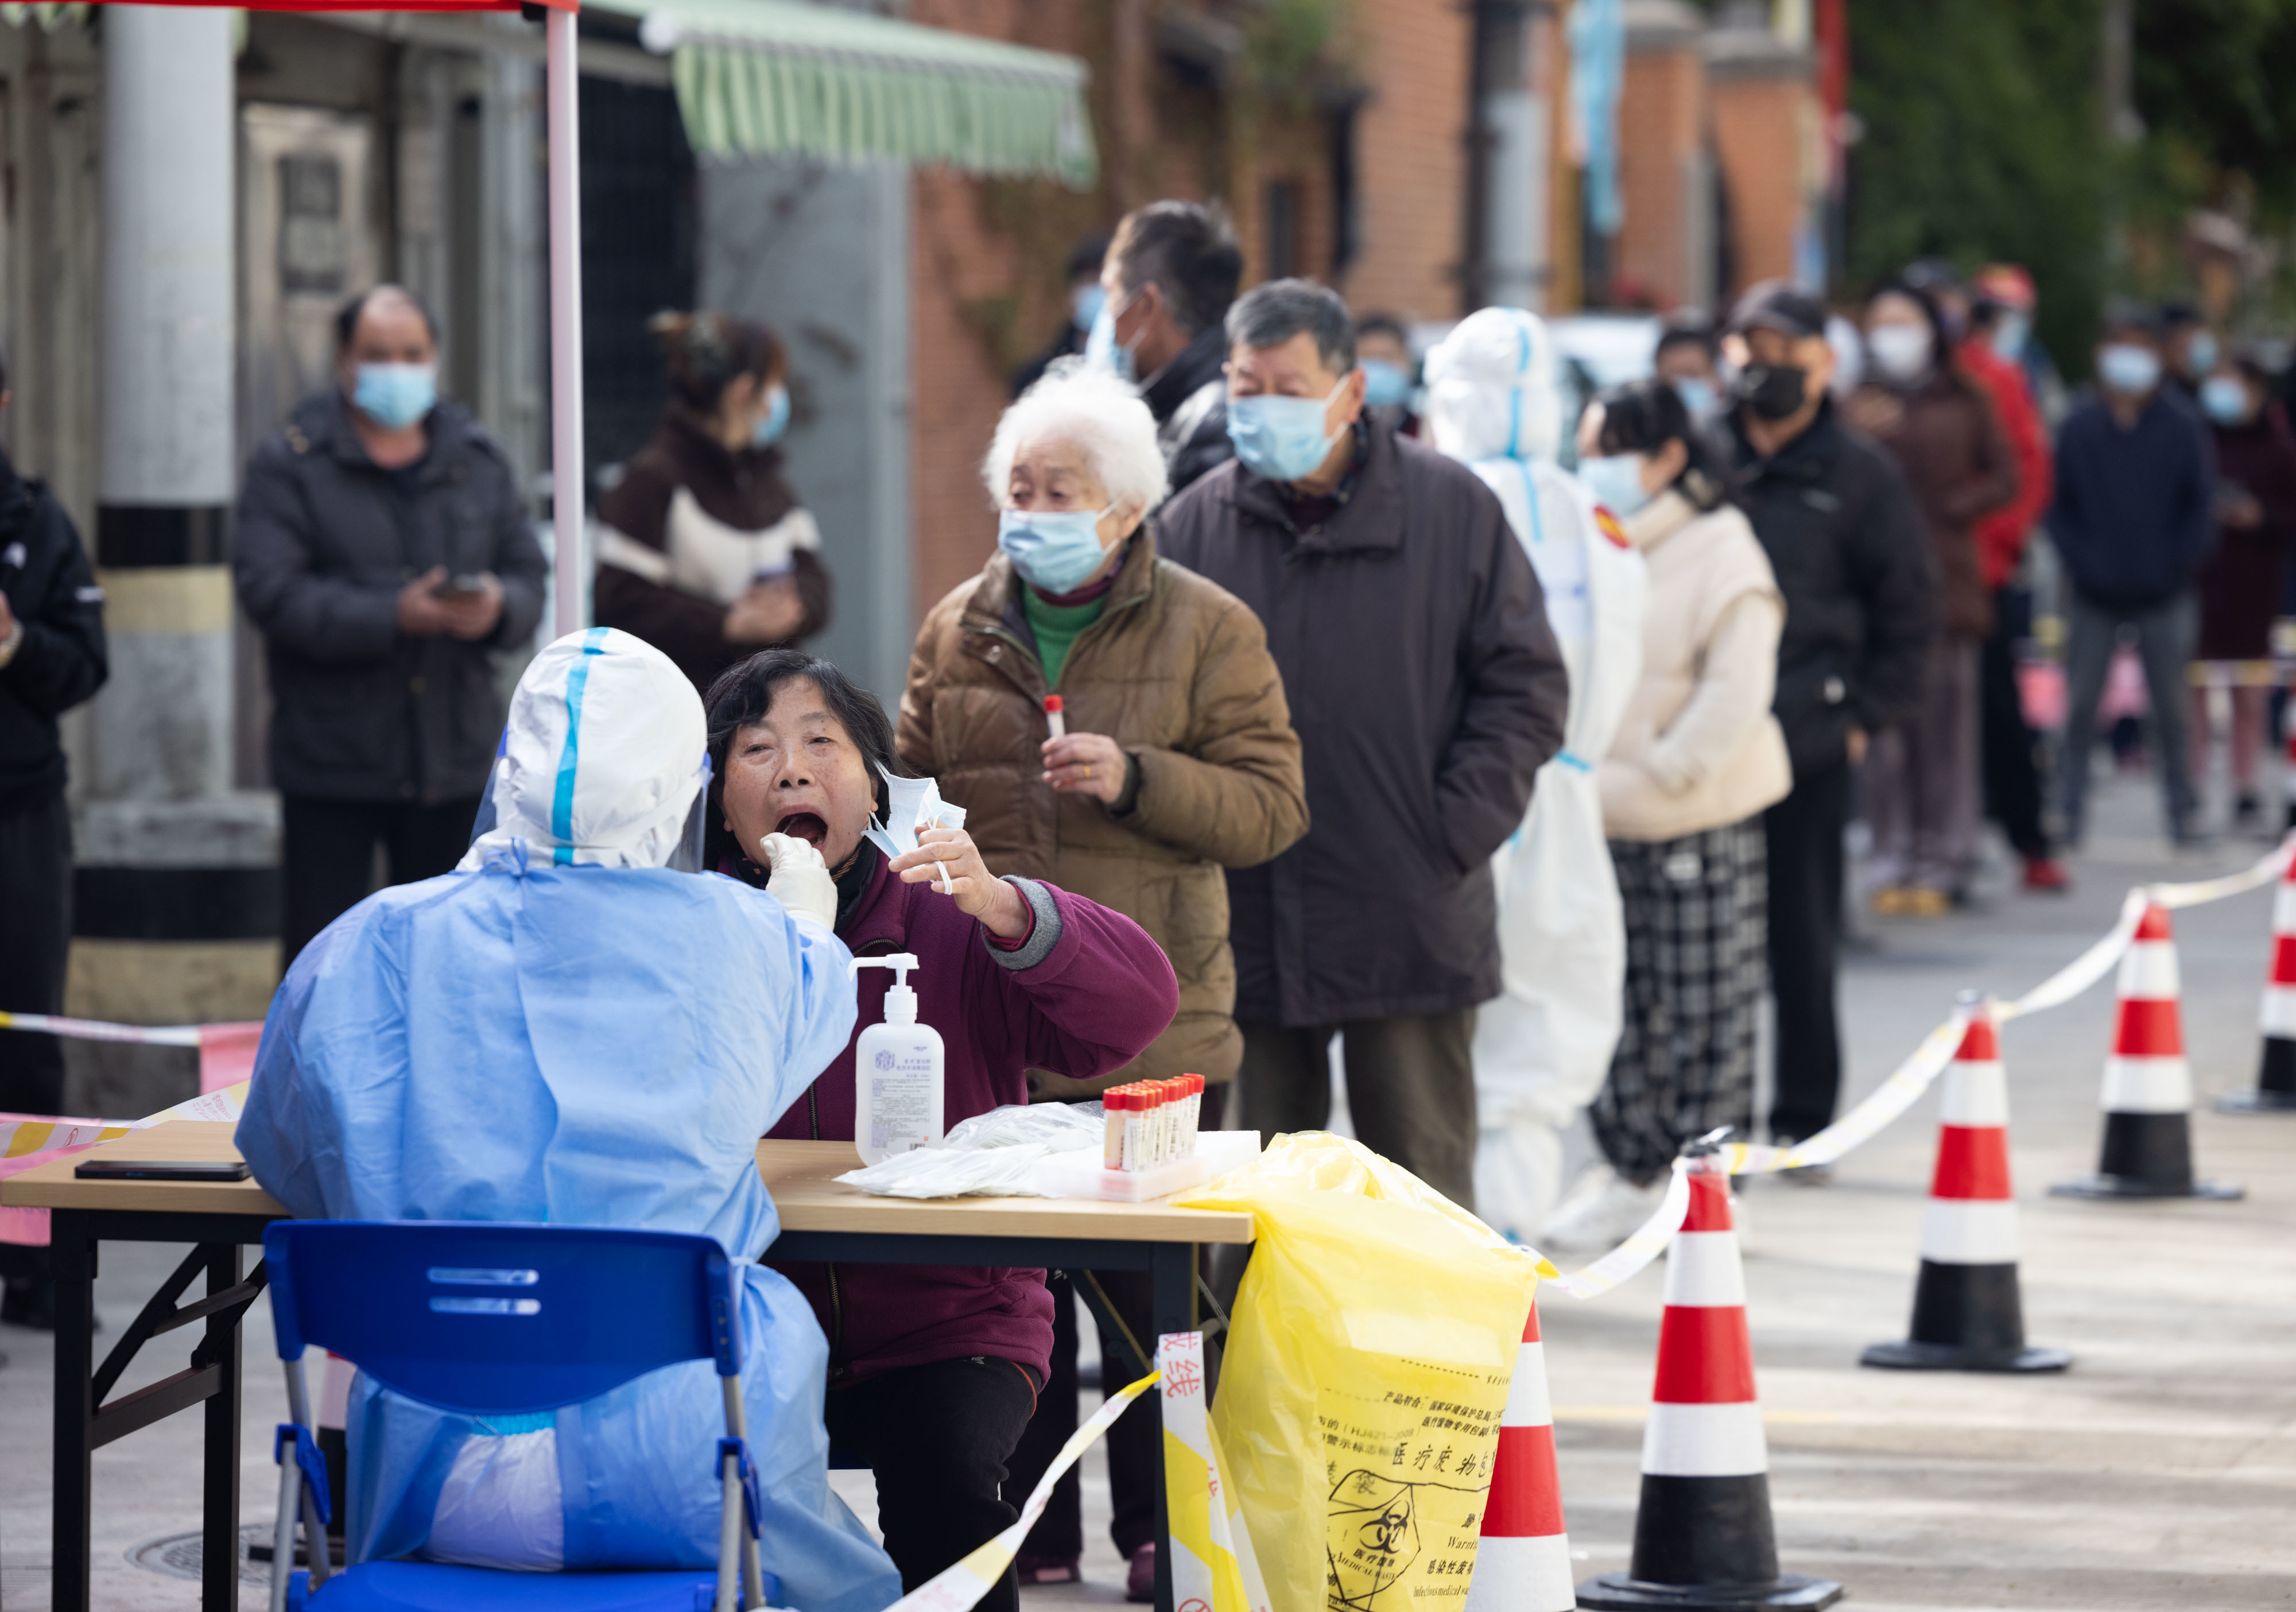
(800, 879)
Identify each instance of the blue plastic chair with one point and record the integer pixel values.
(490, 1319)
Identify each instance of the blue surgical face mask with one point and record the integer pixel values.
(1084, 303)
(1698, 397)
(2128, 369)
(2201, 354)
(1385, 385)
(1616, 482)
(1101, 349)
(2009, 333)
(395, 395)
(770, 425)
(2224, 399)
(1056, 549)
(1280, 437)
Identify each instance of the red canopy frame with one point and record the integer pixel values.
(565, 188)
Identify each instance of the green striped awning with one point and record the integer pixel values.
(780, 76)
(50, 14)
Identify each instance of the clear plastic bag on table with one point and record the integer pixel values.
(1367, 1364)
(1059, 1127)
(991, 1154)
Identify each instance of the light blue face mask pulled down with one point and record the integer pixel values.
(395, 395)
(1056, 549)
(1280, 437)
(774, 420)
(1615, 482)
(2129, 370)
(1385, 385)
(910, 804)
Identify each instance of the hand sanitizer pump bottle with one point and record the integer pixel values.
(897, 1071)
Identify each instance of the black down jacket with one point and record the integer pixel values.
(325, 540)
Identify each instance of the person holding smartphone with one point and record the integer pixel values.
(384, 551)
(704, 549)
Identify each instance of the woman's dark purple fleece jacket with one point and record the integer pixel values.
(1083, 995)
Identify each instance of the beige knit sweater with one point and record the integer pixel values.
(1698, 747)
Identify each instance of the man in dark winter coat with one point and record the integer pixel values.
(1845, 539)
(1171, 273)
(1427, 690)
(383, 550)
(2134, 520)
(52, 657)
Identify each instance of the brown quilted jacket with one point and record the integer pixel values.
(1176, 672)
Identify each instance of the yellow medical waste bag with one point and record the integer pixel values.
(1366, 1367)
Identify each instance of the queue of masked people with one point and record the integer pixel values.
(1383, 734)
(1178, 882)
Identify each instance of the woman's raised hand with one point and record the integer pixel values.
(947, 860)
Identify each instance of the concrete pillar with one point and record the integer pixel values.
(177, 889)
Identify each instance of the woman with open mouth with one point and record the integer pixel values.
(933, 1370)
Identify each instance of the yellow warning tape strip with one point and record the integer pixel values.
(1911, 1078)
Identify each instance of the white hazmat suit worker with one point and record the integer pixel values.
(568, 1029)
(1543, 1046)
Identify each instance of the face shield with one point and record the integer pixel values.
(1491, 392)
(604, 761)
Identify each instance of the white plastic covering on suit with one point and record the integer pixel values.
(566, 1030)
(1543, 1046)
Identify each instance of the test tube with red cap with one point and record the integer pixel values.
(1112, 1104)
(1053, 719)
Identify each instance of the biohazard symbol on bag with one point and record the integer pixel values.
(1366, 1370)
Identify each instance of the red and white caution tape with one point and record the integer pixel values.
(1912, 1077)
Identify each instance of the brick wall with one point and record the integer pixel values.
(1662, 125)
(1411, 157)
(1762, 114)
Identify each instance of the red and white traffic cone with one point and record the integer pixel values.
(2275, 1079)
(1704, 1540)
(1968, 1315)
(1523, 1561)
(2148, 1086)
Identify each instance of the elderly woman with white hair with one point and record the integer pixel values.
(1114, 724)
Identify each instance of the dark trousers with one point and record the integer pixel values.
(329, 855)
(1411, 1089)
(2165, 633)
(35, 876)
(1804, 835)
(2012, 750)
(1136, 1443)
(937, 1437)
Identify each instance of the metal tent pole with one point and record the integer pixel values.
(565, 320)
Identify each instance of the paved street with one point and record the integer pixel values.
(2161, 1471)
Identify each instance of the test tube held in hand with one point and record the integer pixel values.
(1053, 719)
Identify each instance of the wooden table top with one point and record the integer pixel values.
(799, 1175)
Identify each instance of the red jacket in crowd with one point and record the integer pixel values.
(2001, 535)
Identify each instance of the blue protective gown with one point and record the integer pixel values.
(588, 1045)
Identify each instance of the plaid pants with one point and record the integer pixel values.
(1696, 967)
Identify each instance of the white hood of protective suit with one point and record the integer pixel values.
(1490, 389)
(605, 751)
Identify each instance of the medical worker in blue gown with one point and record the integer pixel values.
(570, 1028)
